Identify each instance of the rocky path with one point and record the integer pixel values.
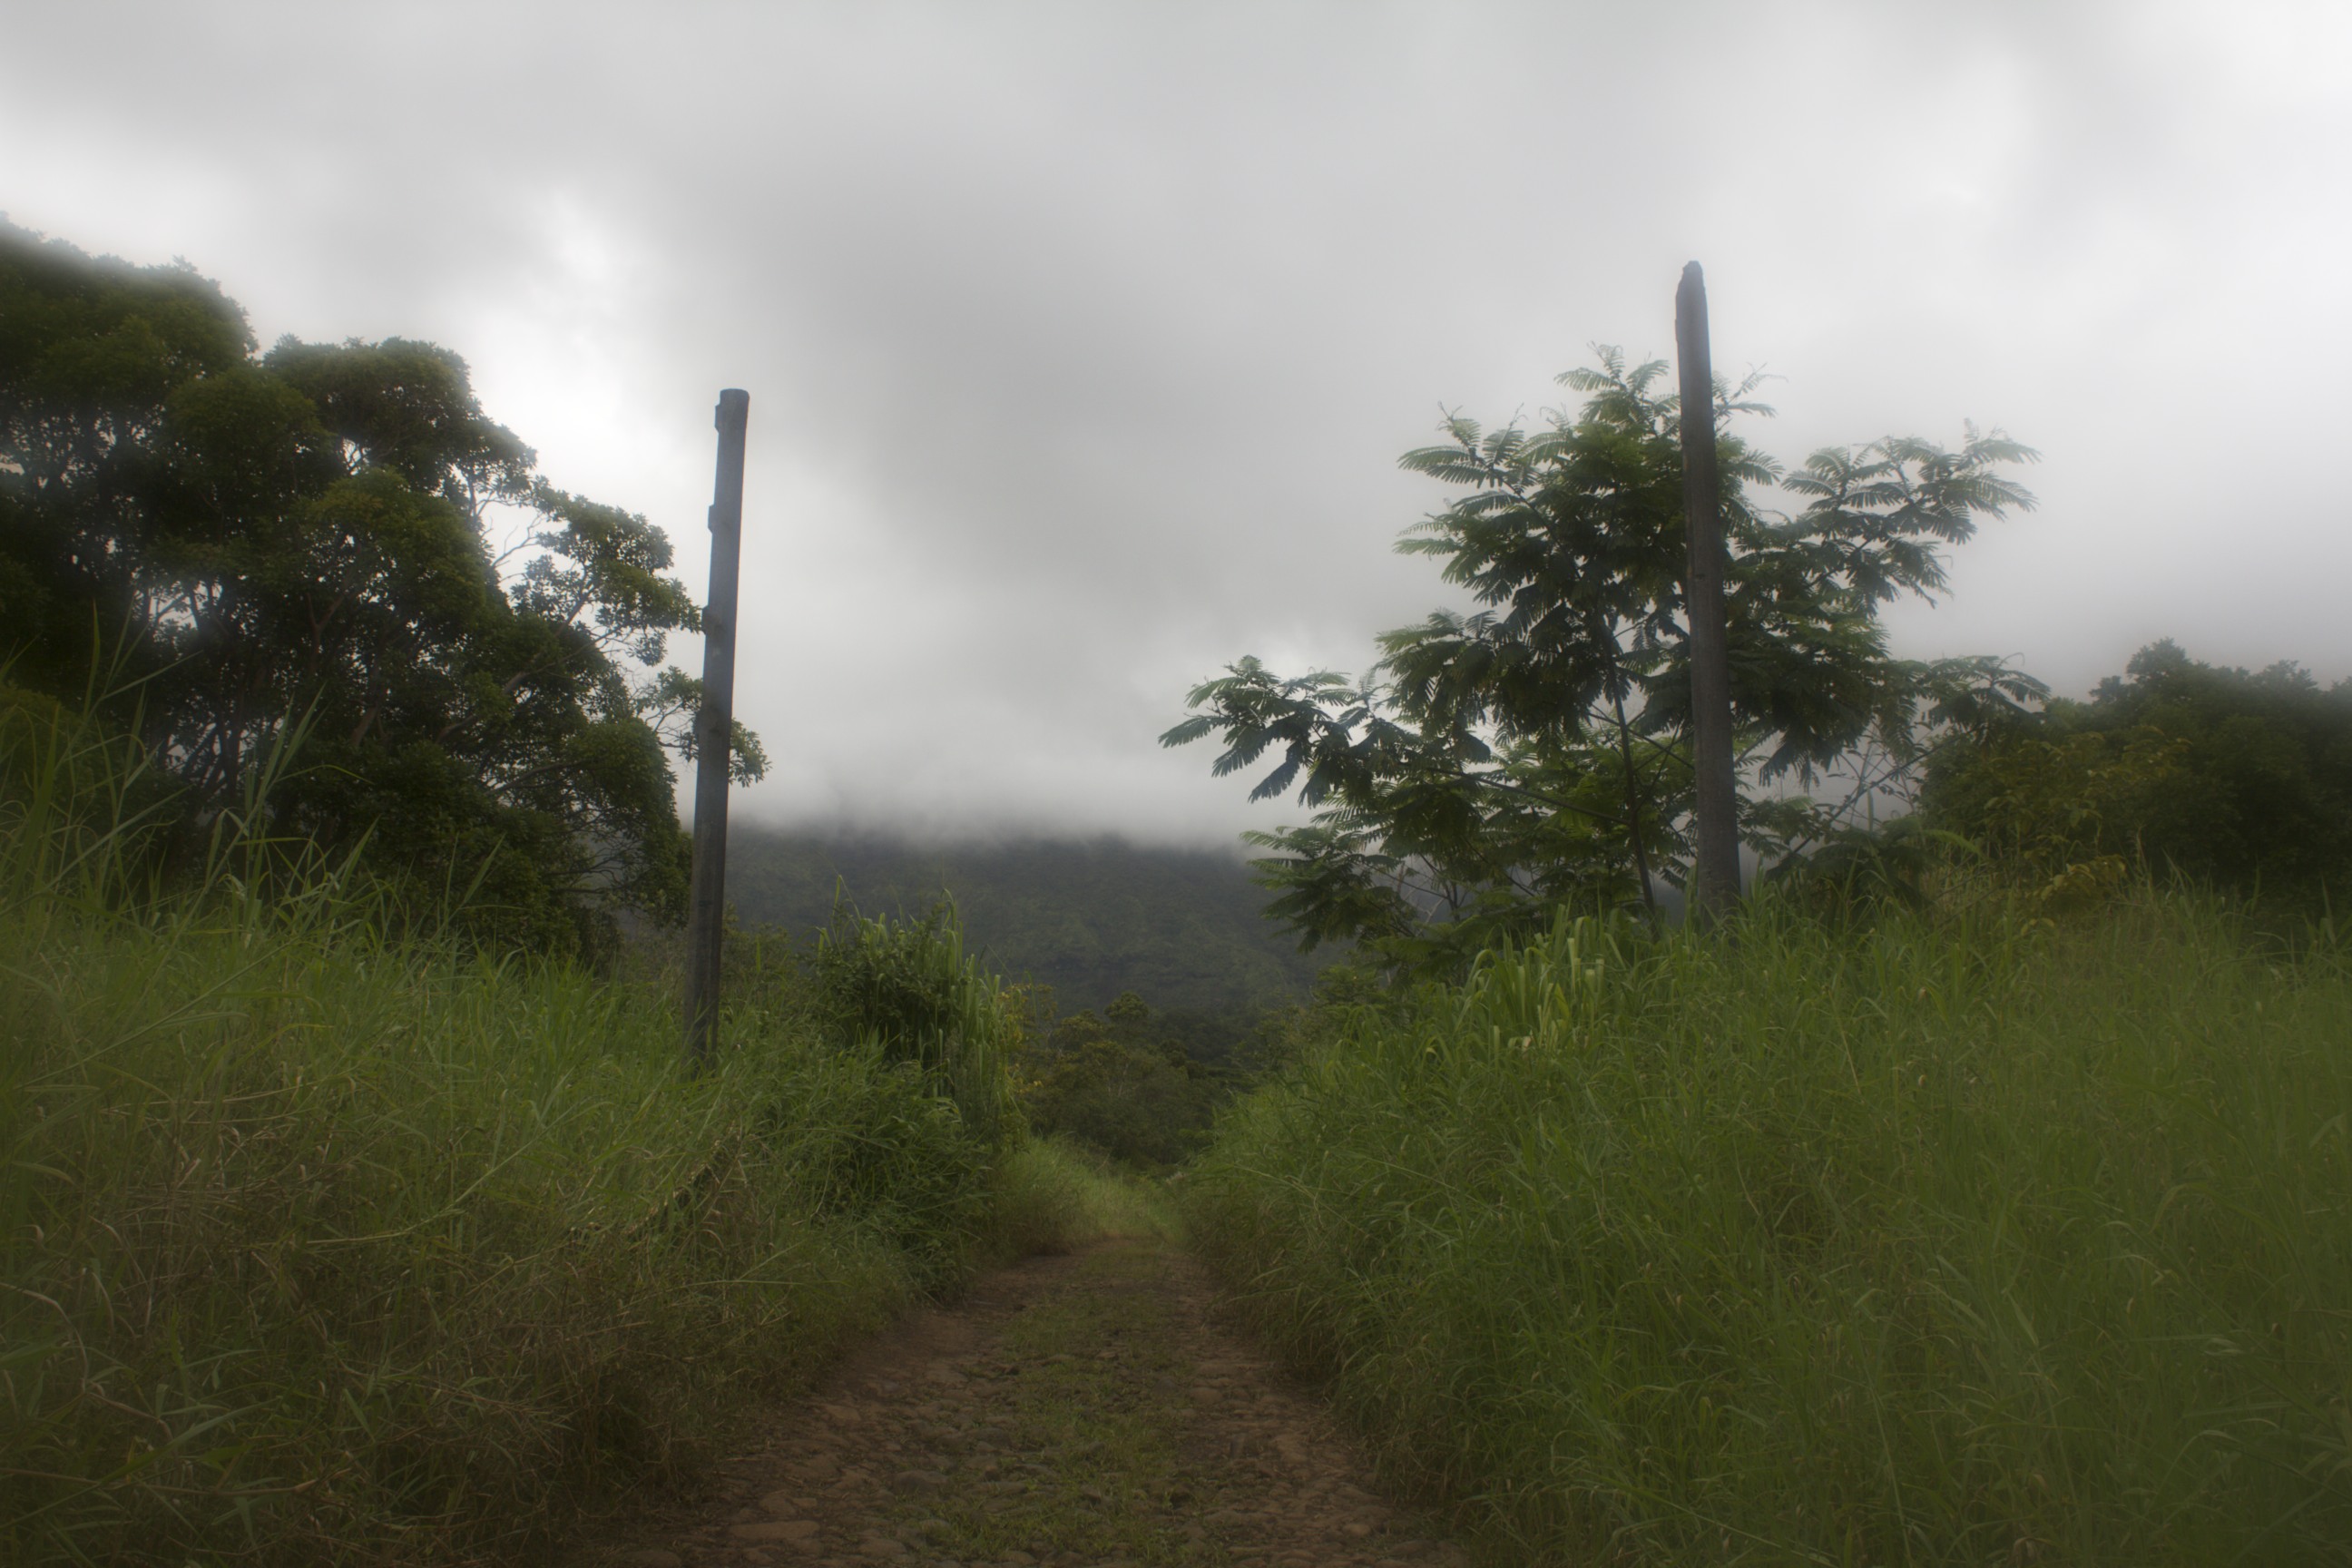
(1079, 1412)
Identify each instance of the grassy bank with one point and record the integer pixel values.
(1964, 1242)
(1054, 1195)
(317, 1246)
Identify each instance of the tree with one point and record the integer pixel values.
(2240, 779)
(1124, 1083)
(1536, 750)
(239, 546)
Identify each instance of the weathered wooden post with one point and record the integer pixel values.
(706, 927)
(1714, 867)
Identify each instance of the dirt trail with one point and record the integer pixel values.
(1079, 1412)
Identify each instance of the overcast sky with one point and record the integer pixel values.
(1082, 340)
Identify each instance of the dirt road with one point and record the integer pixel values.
(1078, 1412)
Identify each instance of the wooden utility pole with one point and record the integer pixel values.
(1715, 870)
(706, 926)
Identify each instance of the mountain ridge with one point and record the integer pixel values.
(1092, 917)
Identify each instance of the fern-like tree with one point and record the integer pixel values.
(1496, 762)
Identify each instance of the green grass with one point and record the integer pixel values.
(1053, 1195)
(1097, 1457)
(319, 1248)
(1961, 1241)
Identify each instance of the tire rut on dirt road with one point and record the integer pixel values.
(1086, 1411)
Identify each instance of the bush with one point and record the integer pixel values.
(905, 991)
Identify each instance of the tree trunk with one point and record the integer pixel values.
(1715, 870)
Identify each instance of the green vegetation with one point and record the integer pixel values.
(320, 1246)
(1966, 1199)
(1953, 1238)
(237, 546)
(1117, 1460)
(343, 1217)
(1130, 1085)
(1052, 1195)
(1492, 766)
(1144, 1088)
(1182, 928)
(1100, 925)
(1124, 1085)
(2238, 780)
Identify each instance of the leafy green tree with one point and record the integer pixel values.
(244, 544)
(1122, 1083)
(2238, 779)
(1495, 762)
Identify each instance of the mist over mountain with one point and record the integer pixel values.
(1092, 918)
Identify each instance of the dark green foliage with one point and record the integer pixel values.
(2241, 780)
(1091, 919)
(1345, 995)
(1122, 1083)
(1860, 871)
(1497, 763)
(905, 990)
(904, 1165)
(216, 547)
(91, 354)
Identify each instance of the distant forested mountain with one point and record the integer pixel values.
(1182, 928)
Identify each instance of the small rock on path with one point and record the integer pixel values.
(1077, 1412)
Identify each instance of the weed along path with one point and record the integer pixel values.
(1083, 1411)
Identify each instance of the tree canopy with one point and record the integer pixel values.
(2238, 779)
(229, 550)
(1498, 760)
(1122, 1083)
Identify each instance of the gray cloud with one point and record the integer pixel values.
(1082, 340)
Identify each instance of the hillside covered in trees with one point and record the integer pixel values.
(1182, 928)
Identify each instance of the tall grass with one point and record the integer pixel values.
(317, 1245)
(1057, 1192)
(908, 991)
(1964, 1241)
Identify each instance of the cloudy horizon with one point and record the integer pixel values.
(1082, 341)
